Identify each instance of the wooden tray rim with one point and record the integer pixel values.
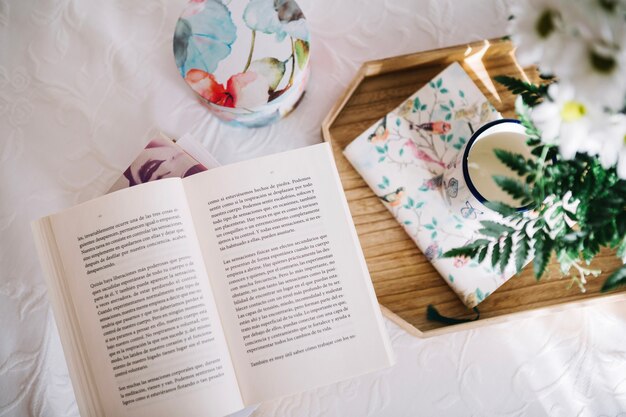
(403, 62)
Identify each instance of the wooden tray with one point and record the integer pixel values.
(404, 281)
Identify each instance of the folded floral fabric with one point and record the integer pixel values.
(402, 158)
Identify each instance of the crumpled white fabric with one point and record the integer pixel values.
(82, 85)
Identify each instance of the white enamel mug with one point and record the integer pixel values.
(459, 191)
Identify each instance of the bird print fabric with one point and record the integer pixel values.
(403, 156)
(435, 128)
(381, 133)
(393, 198)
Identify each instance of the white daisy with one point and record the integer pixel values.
(563, 120)
(597, 68)
(536, 31)
(607, 139)
(582, 42)
(599, 19)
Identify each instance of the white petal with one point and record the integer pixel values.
(608, 157)
(546, 118)
(571, 139)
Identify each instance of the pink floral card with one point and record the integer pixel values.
(161, 158)
(402, 158)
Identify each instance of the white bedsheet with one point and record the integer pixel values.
(81, 85)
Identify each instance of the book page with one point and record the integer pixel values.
(291, 284)
(145, 310)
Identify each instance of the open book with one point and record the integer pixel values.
(199, 296)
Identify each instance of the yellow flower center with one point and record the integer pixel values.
(572, 111)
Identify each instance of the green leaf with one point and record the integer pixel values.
(500, 208)
(461, 94)
(450, 277)
(271, 69)
(302, 52)
(480, 242)
(482, 253)
(531, 94)
(477, 248)
(496, 227)
(448, 116)
(521, 253)
(416, 103)
(514, 161)
(401, 152)
(537, 151)
(479, 294)
(439, 82)
(443, 90)
(468, 251)
(615, 280)
(489, 232)
(424, 107)
(514, 188)
(380, 149)
(444, 107)
(507, 249)
(495, 254)
(543, 250)
(429, 227)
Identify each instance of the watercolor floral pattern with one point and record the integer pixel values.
(206, 34)
(402, 158)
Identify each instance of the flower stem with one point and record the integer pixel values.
(251, 51)
(541, 171)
